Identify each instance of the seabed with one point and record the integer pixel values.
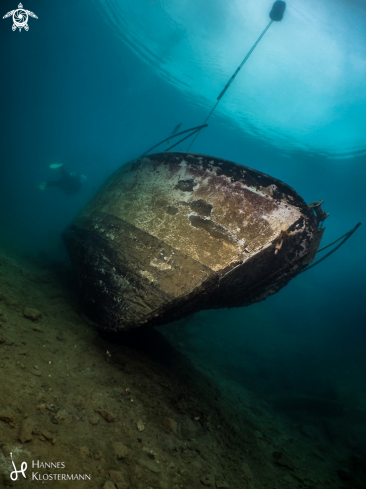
(138, 414)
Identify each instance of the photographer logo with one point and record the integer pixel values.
(14, 474)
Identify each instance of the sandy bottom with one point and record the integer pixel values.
(85, 411)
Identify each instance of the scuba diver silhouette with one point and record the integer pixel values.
(70, 183)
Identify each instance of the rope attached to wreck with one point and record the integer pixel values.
(345, 236)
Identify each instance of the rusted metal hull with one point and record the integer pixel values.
(174, 233)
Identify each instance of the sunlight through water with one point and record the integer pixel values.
(302, 88)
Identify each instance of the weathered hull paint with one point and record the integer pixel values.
(174, 233)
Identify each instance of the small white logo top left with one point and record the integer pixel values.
(20, 18)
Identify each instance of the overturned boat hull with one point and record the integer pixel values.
(171, 234)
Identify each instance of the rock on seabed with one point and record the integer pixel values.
(171, 234)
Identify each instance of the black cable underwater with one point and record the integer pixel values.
(194, 129)
(345, 236)
(242, 63)
(276, 14)
(189, 135)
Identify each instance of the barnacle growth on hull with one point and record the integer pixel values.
(171, 234)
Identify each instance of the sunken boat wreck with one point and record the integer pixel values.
(171, 234)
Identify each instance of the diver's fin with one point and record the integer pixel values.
(42, 185)
(56, 165)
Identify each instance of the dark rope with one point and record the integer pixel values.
(194, 129)
(345, 236)
(189, 135)
(332, 243)
(232, 78)
(244, 60)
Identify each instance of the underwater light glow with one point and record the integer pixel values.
(304, 85)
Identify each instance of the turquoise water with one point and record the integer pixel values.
(303, 88)
(95, 85)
